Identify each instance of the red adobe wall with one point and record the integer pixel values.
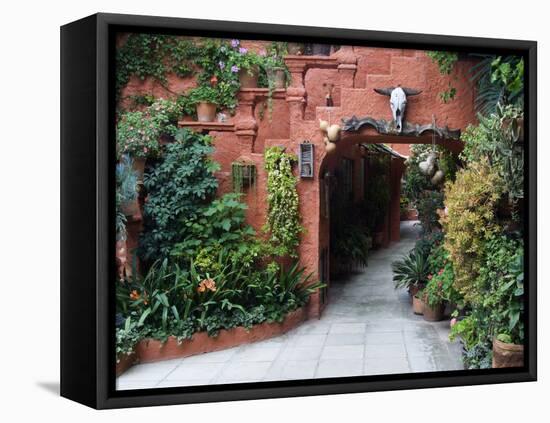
(296, 111)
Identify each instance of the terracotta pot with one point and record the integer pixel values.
(413, 290)
(433, 314)
(295, 49)
(279, 78)
(139, 167)
(249, 77)
(418, 306)
(206, 112)
(507, 355)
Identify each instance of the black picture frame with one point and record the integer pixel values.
(87, 211)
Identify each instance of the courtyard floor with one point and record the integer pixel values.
(367, 328)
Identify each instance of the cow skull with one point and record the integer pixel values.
(398, 102)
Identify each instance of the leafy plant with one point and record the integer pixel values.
(138, 132)
(283, 216)
(471, 201)
(203, 93)
(441, 278)
(411, 270)
(427, 205)
(127, 337)
(495, 139)
(243, 58)
(218, 226)
(499, 80)
(177, 186)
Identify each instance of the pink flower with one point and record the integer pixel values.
(263, 53)
(145, 150)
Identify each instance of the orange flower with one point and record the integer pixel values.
(134, 295)
(207, 285)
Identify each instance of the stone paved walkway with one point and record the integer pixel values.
(367, 328)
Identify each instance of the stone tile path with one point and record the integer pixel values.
(367, 328)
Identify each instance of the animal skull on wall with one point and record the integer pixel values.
(398, 102)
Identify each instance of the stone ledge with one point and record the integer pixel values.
(278, 93)
(207, 126)
(151, 350)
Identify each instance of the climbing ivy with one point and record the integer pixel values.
(445, 61)
(150, 55)
(283, 217)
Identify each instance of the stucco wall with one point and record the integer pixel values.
(355, 72)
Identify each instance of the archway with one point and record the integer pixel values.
(348, 178)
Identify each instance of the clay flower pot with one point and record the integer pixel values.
(507, 355)
(418, 305)
(433, 313)
(249, 77)
(206, 112)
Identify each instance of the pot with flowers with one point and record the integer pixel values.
(434, 303)
(246, 63)
(205, 99)
(137, 135)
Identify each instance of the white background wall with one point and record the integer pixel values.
(29, 209)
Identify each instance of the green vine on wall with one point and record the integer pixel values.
(283, 216)
(445, 61)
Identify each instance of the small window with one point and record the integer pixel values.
(306, 160)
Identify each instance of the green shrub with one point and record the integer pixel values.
(471, 201)
(427, 205)
(177, 187)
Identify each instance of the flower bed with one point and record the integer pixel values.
(151, 350)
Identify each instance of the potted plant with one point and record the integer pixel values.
(418, 302)
(411, 272)
(434, 303)
(506, 352)
(276, 73)
(205, 99)
(246, 63)
(137, 134)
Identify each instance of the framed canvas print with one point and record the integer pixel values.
(256, 211)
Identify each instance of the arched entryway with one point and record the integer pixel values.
(360, 185)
